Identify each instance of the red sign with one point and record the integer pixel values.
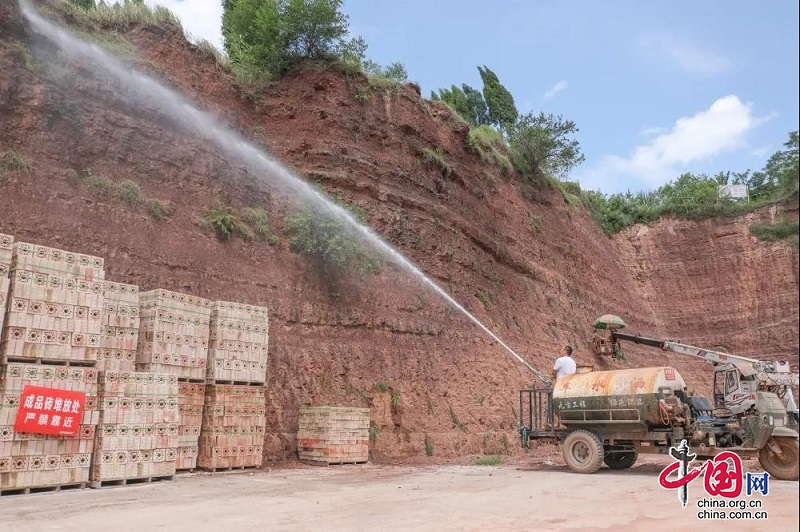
(50, 411)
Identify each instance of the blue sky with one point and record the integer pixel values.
(656, 88)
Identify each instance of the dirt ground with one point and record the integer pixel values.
(540, 496)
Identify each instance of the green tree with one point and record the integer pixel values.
(543, 142)
(275, 34)
(690, 193)
(466, 101)
(478, 110)
(783, 168)
(455, 100)
(502, 112)
(393, 72)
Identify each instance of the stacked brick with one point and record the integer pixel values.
(238, 341)
(120, 334)
(30, 460)
(173, 334)
(234, 423)
(333, 435)
(6, 244)
(190, 421)
(55, 308)
(137, 438)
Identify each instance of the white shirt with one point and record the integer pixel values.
(564, 366)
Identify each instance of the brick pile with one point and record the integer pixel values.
(120, 334)
(137, 437)
(29, 460)
(55, 308)
(173, 334)
(238, 342)
(234, 423)
(333, 435)
(190, 421)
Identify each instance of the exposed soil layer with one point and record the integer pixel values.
(531, 266)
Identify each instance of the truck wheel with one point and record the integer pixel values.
(782, 469)
(621, 460)
(583, 451)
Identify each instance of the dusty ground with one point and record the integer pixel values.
(371, 497)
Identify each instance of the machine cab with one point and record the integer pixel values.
(734, 387)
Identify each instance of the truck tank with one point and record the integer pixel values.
(628, 397)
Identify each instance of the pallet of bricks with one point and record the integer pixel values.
(120, 327)
(333, 435)
(174, 332)
(137, 436)
(234, 416)
(48, 385)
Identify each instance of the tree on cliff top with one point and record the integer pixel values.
(502, 110)
(542, 142)
(275, 34)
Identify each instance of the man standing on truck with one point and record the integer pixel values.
(564, 365)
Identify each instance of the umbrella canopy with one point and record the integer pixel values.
(609, 321)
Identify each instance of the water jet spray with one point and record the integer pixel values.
(181, 111)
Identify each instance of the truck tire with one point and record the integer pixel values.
(786, 469)
(583, 451)
(621, 460)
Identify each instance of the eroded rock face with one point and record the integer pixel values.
(713, 284)
(537, 285)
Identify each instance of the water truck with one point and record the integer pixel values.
(612, 416)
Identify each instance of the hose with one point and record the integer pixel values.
(664, 413)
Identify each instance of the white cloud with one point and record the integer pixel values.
(202, 19)
(721, 128)
(555, 89)
(685, 54)
(649, 131)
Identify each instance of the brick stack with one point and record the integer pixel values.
(55, 308)
(6, 243)
(137, 438)
(333, 435)
(238, 341)
(190, 421)
(30, 460)
(173, 334)
(120, 334)
(234, 422)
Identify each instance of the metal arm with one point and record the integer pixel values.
(779, 372)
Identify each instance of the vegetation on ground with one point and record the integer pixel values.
(697, 196)
(428, 446)
(328, 237)
(248, 223)
(123, 14)
(489, 460)
(13, 161)
(126, 190)
(786, 231)
(436, 158)
(267, 38)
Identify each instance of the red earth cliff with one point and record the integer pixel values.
(536, 285)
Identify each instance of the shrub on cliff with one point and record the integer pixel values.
(332, 241)
(542, 142)
(275, 34)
